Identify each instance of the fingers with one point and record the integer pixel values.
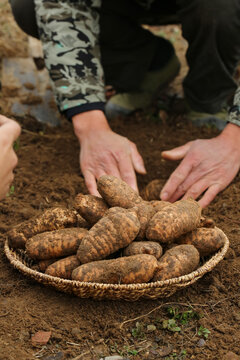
(177, 178)
(127, 172)
(177, 153)
(5, 186)
(210, 195)
(14, 159)
(90, 181)
(10, 131)
(3, 119)
(121, 167)
(137, 160)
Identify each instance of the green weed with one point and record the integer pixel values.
(138, 331)
(175, 356)
(11, 191)
(171, 325)
(16, 144)
(202, 331)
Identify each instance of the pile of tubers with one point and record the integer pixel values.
(119, 238)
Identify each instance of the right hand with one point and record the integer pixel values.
(9, 132)
(105, 152)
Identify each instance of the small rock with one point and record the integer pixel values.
(231, 356)
(114, 357)
(151, 328)
(59, 356)
(201, 342)
(41, 337)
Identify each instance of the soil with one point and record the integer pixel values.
(199, 322)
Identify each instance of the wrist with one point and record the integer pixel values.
(231, 136)
(89, 121)
(231, 131)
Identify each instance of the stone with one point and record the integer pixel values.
(201, 342)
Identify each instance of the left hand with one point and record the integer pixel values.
(207, 166)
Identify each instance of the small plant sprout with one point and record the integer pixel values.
(138, 332)
(202, 331)
(11, 191)
(171, 325)
(16, 144)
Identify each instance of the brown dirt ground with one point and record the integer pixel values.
(47, 175)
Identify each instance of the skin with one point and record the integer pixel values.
(9, 132)
(104, 152)
(206, 167)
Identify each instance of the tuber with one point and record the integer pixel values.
(50, 219)
(116, 192)
(178, 261)
(174, 220)
(90, 207)
(143, 247)
(63, 268)
(124, 270)
(55, 244)
(118, 228)
(206, 240)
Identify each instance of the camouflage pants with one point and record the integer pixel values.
(127, 51)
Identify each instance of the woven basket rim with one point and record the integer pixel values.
(52, 280)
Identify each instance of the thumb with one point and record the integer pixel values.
(177, 153)
(137, 160)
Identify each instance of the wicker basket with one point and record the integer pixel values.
(131, 292)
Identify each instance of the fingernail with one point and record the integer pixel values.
(142, 168)
(164, 195)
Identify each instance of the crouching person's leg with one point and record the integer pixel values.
(136, 63)
(212, 31)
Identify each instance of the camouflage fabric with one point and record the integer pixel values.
(69, 30)
(234, 112)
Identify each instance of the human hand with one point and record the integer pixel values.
(207, 167)
(9, 132)
(105, 152)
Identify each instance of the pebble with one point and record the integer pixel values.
(59, 356)
(201, 342)
(114, 357)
